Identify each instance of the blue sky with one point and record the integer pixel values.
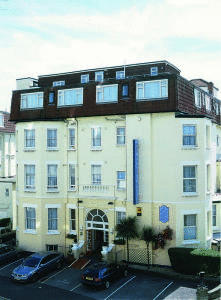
(42, 37)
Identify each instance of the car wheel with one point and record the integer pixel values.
(125, 273)
(107, 284)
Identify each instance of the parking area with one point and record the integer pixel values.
(137, 285)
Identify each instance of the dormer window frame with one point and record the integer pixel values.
(86, 76)
(120, 74)
(58, 83)
(99, 73)
(153, 71)
(1, 120)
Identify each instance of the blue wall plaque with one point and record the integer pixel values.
(164, 214)
(135, 171)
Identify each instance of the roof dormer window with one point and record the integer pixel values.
(59, 83)
(1, 120)
(154, 71)
(99, 76)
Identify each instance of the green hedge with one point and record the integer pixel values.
(192, 260)
(5, 222)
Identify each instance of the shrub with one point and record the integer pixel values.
(192, 260)
(5, 222)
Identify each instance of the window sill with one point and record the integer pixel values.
(52, 149)
(190, 148)
(31, 231)
(72, 190)
(152, 99)
(52, 190)
(29, 149)
(190, 194)
(107, 102)
(72, 149)
(53, 232)
(187, 242)
(208, 192)
(120, 145)
(73, 232)
(30, 190)
(32, 108)
(96, 149)
(121, 189)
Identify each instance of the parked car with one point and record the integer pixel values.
(7, 253)
(37, 265)
(101, 274)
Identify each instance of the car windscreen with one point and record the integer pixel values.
(31, 261)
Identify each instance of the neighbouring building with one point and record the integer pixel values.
(97, 145)
(7, 166)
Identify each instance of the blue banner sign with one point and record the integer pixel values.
(135, 171)
(164, 214)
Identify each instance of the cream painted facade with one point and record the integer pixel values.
(161, 160)
(7, 171)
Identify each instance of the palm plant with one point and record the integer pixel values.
(127, 229)
(147, 235)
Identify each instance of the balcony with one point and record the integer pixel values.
(96, 191)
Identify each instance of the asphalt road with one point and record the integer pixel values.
(35, 291)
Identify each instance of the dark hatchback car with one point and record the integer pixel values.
(101, 274)
(36, 265)
(7, 253)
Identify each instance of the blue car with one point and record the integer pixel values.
(101, 274)
(36, 265)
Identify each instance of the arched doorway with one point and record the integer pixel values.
(97, 229)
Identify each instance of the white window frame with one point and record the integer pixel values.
(38, 102)
(58, 83)
(52, 139)
(153, 71)
(190, 226)
(72, 168)
(190, 135)
(53, 230)
(97, 74)
(100, 93)
(29, 187)
(99, 180)
(140, 86)
(93, 138)
(52, 187)
(29, 228)
(84, 78)
(198, 97)
(52, 247)
(191, 178)
(72, 139)
(73, 231)
(120, 181)
(119, 136)
(77, 97)
(120, 74)
(28, 139)
(208, 103)
(1, 120)
(120, 215)
(214, 215)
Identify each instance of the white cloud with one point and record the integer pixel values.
(52, 44)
